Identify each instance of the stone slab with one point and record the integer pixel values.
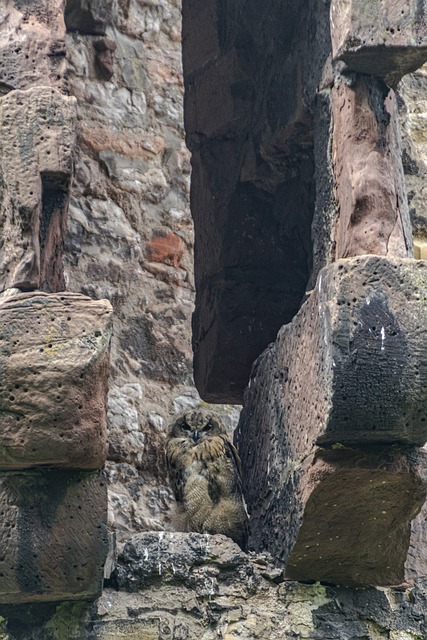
(386, 38)
(36, 164)
(53, 535)
(250, 83)
(54, 364)
(333, 414)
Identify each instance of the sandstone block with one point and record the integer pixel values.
(53, 535)
(36, 160)
(167, 247)
(369, 181)
(178, 558)
(382, 38)
(251, 76)
(352, 360)
(32, 48)
(54, 356)
(345, 378)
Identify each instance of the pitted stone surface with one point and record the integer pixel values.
(348, 372)
(381, 38)
(32, 47)
(36, 161)
(358, 508)
(53, 535)
(54, 354)
(351, 364)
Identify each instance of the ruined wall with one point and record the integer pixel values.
(128, 239)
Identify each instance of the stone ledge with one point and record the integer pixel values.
(54, 364)
(351, 363)
(381, 38)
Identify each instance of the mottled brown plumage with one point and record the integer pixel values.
(205, 472)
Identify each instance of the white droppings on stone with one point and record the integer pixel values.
(382, 333)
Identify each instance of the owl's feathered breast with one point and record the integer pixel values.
(214, 459)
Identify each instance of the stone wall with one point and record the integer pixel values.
(128, 239)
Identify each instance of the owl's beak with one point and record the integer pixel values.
(195, 435)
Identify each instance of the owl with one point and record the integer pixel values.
(205, 471)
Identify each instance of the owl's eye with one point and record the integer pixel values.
(207, 427)
(185, 426)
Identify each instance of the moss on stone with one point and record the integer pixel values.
(68, 621)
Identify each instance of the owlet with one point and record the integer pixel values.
(205, 472)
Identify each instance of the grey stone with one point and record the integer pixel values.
(88, 16)
(346, 373)
(186, 558)
(34, 186)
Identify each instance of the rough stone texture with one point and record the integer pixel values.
(344, 374)
(367, 157)
(53, 535)
(88, 16)
(356, 525)
(413, 108)
(380, 38)
(53, 381)
(203, 588)
(105, 57)
(350, 366)
(36, 161)
(32, 50)
(130, 190)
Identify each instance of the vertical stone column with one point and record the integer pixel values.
(54, 344)
(334, 412)
(362, 204)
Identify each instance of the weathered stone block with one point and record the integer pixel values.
(369, 181)
(54, 356)
(88, 16)
(385, 38)
(152, 557)
(358, 506)
(53, 535)
(32, 48)
(361, 341)
(36, 160)
(252, 73)
(348, 369)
